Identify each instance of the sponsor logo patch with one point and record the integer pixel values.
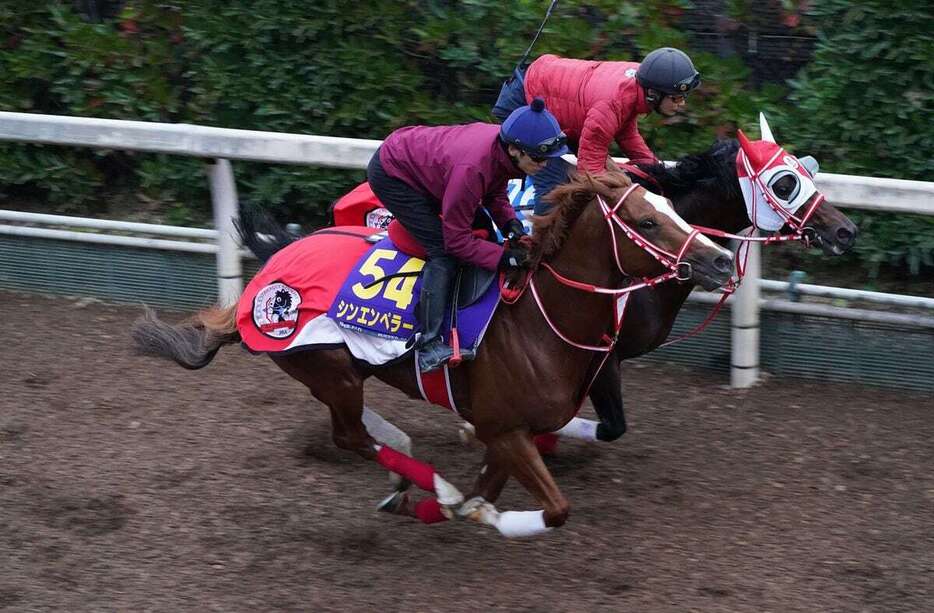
(378, 218)
(275, 310)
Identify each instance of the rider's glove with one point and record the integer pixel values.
(514, 257)
(513, 230)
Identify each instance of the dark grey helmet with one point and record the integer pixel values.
(668, 71)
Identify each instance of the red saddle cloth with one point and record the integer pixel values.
(360, 207)
(297, 285)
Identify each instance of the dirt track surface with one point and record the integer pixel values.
(129, 484)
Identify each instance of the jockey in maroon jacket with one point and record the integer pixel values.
(597, 103)
(435, 180)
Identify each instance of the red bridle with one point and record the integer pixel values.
(800, 232)
(677, 269)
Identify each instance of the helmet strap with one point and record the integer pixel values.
(513, 158)
(654, 98)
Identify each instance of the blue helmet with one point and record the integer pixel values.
(534, 130)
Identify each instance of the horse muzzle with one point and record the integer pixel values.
(710, 272)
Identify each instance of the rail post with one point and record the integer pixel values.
(744, 361)
(224, 200)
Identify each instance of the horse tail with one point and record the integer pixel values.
(260, 233)
(192, 343)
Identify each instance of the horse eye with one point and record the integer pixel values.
(647, 224)
(785, 186)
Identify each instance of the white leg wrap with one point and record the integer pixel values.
(447, 494)
(385, 432)
(513, 524)
(583, 429)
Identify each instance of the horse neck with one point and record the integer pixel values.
(721, 211)
(585, 256)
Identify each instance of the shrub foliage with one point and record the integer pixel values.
(362, 69)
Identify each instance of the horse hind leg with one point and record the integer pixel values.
(331, 377)
(387, 433)
(489, 485)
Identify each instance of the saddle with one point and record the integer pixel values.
(471, 282)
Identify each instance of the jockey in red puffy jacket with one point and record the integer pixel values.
(435, 179)
(597, 103)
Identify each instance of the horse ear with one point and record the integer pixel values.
(765, 129)
(744, 142)
(749, 149)
(611, 165)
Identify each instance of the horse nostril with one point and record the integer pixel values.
(845, 236)
(723, 264)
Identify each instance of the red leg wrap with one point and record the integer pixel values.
(419, 473)
(429, 511)
(547, 443)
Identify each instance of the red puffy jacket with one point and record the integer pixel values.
(595, 103)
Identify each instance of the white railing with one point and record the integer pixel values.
(223, 144)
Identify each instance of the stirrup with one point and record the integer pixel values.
(437, 356)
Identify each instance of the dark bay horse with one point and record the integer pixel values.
(705, 190)
(536, 362)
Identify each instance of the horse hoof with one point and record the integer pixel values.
(467, 434)
(392, 503)
(478, 510)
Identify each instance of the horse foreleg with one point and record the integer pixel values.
(606, 394)
(514, 453)
(488, 487)
(492, 479)
(341, 389)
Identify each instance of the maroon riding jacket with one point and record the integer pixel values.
(463, 167)
(595, 103)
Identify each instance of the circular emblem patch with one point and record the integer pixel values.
(630, 72)
(378, 218)
(275, 310)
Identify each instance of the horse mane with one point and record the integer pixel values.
(713, 171)
(550, 231)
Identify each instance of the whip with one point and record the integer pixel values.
(537, 34)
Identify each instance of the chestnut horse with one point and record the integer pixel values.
(536, 362)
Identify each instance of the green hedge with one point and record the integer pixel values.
(363, 69)
(864, 105)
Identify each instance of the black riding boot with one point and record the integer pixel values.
(437, 279)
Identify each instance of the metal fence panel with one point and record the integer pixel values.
(812, 347)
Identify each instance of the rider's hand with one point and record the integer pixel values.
(513, 230)
(514, 257)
